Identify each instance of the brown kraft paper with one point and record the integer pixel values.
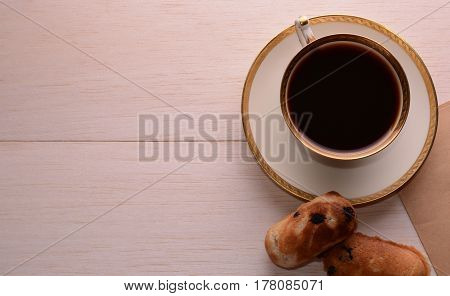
(427, 197)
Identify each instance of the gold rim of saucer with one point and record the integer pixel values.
(394, 187)
(381, 143)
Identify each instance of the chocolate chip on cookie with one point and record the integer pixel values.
(331, 270)
(347, 256)
(349, 213)
(317, 218)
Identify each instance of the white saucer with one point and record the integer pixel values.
(364, 180)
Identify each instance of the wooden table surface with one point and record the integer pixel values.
(74, 77)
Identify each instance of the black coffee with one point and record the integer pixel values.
(352, 92)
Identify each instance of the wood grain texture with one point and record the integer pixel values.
(194, 55)
(206, 218)
(75, 75)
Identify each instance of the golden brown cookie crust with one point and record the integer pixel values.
(364, 255)
(313, 228)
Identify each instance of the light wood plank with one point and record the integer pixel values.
(195, 55)
(207, 218)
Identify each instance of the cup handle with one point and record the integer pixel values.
(304, 31)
